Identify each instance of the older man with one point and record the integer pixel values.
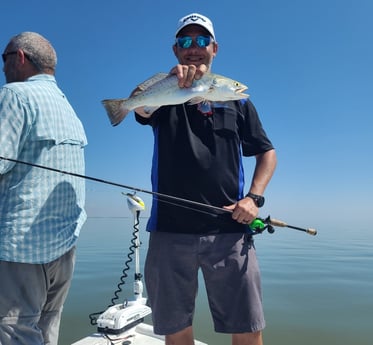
(41, 212)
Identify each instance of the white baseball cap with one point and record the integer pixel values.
(196, 19)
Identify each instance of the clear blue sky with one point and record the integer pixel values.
(308, 65)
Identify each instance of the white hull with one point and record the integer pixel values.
(142, 334)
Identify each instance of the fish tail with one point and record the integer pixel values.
(115, 110)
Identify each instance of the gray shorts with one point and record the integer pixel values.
(31, 300)
(232, 279)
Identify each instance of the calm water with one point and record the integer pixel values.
(317, 290)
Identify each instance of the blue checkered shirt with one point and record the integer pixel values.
(41, 211)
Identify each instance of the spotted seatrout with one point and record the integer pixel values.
(162, 89)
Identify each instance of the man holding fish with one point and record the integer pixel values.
(202, 129)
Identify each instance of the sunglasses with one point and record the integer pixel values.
(5, 55)
(186, 41)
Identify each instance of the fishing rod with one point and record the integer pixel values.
(257, 226)
(136, 189)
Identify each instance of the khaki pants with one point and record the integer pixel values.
(31, 300)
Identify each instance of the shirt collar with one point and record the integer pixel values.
(45, 77)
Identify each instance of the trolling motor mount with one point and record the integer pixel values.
(125, 316)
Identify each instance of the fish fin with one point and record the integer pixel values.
(150, 110)
(115, 110)
(196, 100)
(151, 81)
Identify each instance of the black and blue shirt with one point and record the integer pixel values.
(198, 157)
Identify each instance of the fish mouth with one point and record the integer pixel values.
(241, 90)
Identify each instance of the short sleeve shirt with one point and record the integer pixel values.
(198, 157)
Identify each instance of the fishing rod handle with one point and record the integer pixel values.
(276, 222)
(280, 223)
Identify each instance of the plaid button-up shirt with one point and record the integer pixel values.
(41, 211)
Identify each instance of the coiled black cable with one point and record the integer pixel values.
(93, 316)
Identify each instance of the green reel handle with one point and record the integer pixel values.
(257, 224)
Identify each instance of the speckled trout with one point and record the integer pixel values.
(162, 89)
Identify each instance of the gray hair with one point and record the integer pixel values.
(37, 49)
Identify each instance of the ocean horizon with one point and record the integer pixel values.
(316, 289)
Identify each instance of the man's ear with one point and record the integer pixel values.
(174, 48)
(216, 47)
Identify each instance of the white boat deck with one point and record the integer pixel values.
(142, 334)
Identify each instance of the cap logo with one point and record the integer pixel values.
(193, 18)
(196, 19)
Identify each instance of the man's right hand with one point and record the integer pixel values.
(186, 74)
